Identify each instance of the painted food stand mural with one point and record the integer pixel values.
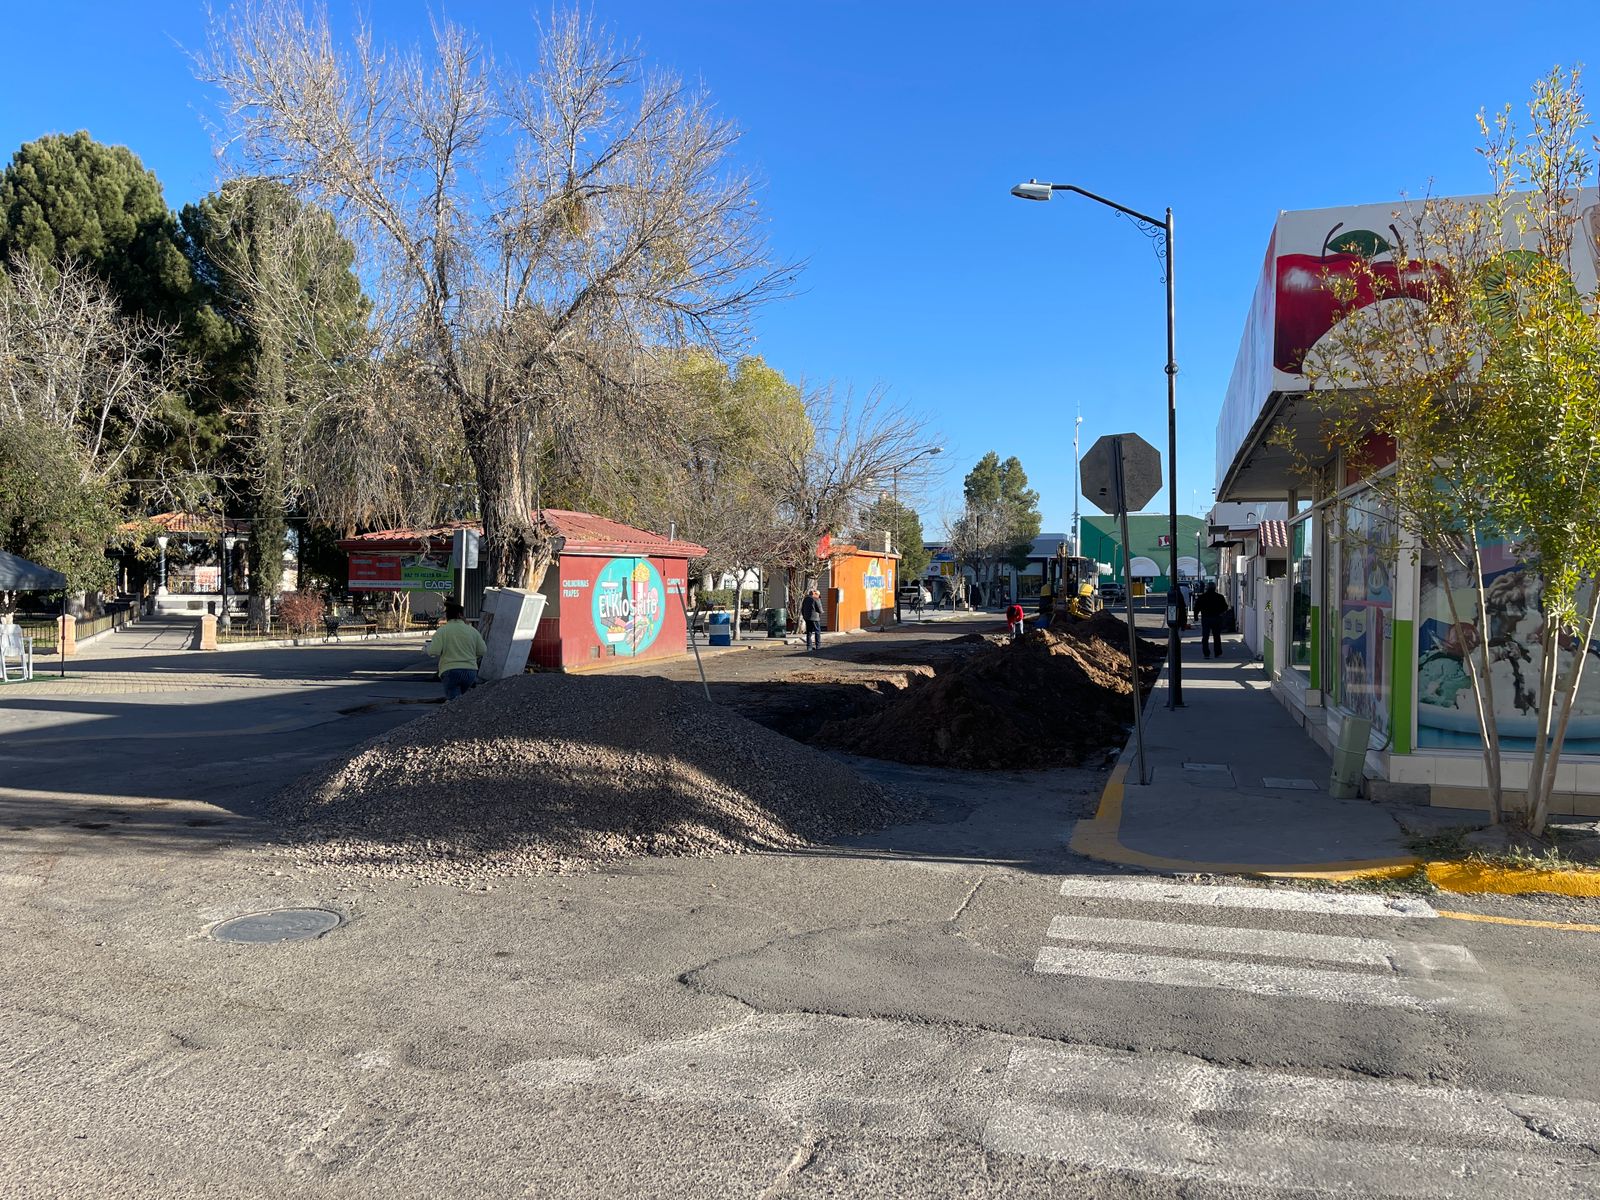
(620, 607)
(629, 605)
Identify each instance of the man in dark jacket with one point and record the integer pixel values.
(812, 613)
(1212, 609)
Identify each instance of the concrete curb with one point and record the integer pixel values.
(287, 643)
(1100, 838)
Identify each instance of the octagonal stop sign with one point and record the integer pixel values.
(1128, 489)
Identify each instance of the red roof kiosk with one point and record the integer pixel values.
(613, 593)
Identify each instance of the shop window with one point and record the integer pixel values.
(1365, 591)
(1302, 546)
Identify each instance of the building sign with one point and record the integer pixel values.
(877, 585)
(629, 605)
(417, 572)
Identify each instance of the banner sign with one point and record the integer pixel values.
(401, 573)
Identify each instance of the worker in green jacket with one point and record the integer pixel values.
(459, 648)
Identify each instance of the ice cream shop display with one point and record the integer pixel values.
(613, 592)
(1366, 623)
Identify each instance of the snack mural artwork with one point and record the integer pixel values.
(628, 605)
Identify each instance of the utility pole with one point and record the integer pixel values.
(1077, 483)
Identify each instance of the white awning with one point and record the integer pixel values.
(1143, 568)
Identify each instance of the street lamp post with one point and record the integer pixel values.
(161, 543)
(894, 482)
(1034, 190)
(228, 543)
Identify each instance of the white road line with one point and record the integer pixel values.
(1417, 957)
(1273, 899)
(1278, 1130)
(1273, 979)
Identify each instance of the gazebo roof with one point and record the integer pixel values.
(188, 525)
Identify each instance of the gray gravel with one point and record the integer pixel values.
(548, 773)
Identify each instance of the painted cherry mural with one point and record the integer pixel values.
(1308, 299)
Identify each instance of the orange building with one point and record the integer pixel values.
(859, 588)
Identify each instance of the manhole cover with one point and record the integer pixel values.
(277, 925)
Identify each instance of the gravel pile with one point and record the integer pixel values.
(1053, 698)
(546, 773)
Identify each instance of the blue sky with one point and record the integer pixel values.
(888, 135)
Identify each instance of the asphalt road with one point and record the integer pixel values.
(953, 1008)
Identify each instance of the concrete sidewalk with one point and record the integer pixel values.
(1234, 786)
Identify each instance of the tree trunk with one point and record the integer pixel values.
(518, 548)
(1567, 694)
(1482, 689)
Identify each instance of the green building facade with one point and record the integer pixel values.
(1101, 540)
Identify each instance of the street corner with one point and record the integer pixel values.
(1103, 839)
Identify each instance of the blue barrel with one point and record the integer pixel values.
(720, 626)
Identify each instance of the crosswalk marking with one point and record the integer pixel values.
(1260, 1129)
(1271, 979)
(1165, 891)
(1317, 947)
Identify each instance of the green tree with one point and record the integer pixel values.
(1488, 382)
(1001, 517)
(68, 197)
(277, 278)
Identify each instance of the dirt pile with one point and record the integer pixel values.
(549, 773)
(1054, 698)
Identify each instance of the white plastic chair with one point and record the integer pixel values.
(18, 649)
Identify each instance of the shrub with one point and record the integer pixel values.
(302, 611)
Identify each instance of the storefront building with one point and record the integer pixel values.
(1101, 538)
(613, 593)
(1357, 623)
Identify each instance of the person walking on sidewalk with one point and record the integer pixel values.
(459, 648)
(811, 612)
(1212, 609)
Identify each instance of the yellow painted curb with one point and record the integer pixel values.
(1101, 838)
(1478, 877)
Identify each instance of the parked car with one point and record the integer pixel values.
(1112, 593)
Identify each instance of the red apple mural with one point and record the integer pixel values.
(1308, 298)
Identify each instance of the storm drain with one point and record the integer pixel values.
(277, 925)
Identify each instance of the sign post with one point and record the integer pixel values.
(1119, 472)
(464, 554)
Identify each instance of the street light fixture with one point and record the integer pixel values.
(1035, 190)
(161, 542)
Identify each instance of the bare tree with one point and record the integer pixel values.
(529, 233)
(855, 445)
(83, 400)
(73, 363)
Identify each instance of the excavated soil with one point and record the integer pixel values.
(545, 773)
(1060, 697)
